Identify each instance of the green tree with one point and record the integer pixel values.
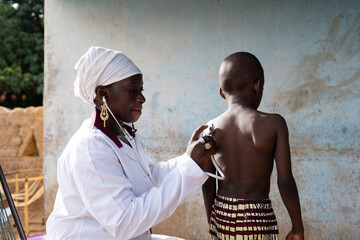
(21, 52)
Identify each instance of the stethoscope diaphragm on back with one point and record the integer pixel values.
(209, 132)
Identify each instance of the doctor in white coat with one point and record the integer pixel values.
(108, 187)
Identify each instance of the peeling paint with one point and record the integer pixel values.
(313, 69)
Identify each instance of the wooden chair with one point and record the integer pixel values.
(7, 232)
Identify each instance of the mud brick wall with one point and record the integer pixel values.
(21, 147)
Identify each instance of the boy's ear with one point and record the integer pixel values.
(222, 93)
(257, 86)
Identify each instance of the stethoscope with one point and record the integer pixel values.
(133, 144)
(208, 132)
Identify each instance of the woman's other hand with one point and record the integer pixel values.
(197, 150)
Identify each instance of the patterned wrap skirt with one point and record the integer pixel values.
(242, 219)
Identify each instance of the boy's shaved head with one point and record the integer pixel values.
(238, 70)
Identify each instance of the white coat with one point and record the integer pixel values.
(104, 192)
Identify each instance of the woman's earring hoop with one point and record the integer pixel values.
(104, 115)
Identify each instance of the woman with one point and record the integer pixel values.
(108, 187)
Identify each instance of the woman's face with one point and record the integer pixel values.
(125, 98)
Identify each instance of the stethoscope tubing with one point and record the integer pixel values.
(133, 144)
(218, 170)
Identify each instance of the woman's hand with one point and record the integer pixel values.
(197, 150)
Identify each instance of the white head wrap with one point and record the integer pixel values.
(101, 67)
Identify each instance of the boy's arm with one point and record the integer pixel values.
(208, 190)
(286, 182)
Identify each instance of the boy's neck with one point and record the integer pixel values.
(240, 102)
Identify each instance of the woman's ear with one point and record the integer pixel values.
(222, 93)
(101, 92)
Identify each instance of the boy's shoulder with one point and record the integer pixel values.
(270, 116)
(256, 117)
(274, 118)
(219, 119)
(254, 114)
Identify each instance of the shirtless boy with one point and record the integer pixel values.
(248, 141)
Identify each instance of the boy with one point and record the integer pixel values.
(248, 141)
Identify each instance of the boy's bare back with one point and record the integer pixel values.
(246, 141)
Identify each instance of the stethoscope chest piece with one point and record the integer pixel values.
(208, 132)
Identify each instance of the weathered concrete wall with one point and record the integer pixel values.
(311, 57)
(21, 147)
